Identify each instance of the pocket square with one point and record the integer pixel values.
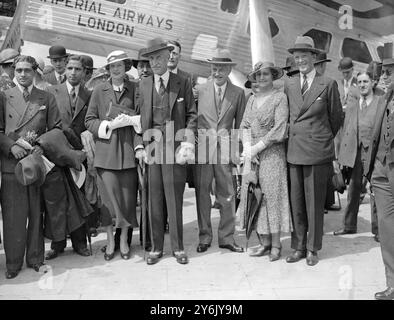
(318, 98)
(179, 100)
(42, 108)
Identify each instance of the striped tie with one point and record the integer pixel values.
(162, 88)
(304, 85)
(26, 94)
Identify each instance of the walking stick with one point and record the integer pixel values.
(142, 178)
(89, 237)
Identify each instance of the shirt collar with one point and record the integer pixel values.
(57, 75)
(223, 87)
(69, 87)
(175, 70)
(165, 77)
(118, 88)
(22, 88)
(368, 99)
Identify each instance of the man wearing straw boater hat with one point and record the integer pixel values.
(220, 109)
(167, 108)
(315, 117)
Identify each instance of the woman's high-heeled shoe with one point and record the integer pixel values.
(260, 251)
(125, 256)
(109, 256)
(275, 256)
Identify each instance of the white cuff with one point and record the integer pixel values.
(104, 132)
(139, 147)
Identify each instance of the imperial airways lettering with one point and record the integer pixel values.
(100, 17)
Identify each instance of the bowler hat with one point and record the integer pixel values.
(30, 169)
(116, 56)
(277, 72)
(345, 64)
(222, 56)
(88, 62)
(290, 68)
(155, 45)
(8, 55)
(140, 58)
(322, 57)
(56, 52)
(304, 43)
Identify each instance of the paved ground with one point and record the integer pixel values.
(350, 268)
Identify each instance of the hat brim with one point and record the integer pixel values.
(313, 50)
(149, 51)
(345, 70)
(324, 60)
(277, 73)
(135, 62)
(292, 72)
(388, 62)
(9, 61)
(221, 62)
(58, 56)
(118, 60)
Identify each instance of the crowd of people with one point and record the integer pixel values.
(83, 147)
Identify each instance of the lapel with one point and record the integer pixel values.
(16, 101)
(295, 88)
(314, 91)
(382, 105)
(110, 93)
(63, 99)
(227, 100)
(146, 89)
(174, 84)
(36, 100)
(81, 100)
(208, 106)
(353, 110)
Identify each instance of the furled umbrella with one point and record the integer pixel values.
(253, 204)
(142, 178)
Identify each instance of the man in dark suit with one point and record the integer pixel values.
(23, 109)
(315, 117)
(173, 62)
(220, 109)
(168, 116)
(357, 132)
(58, 57)
(379, 170)
(72, 100)
(349, 81)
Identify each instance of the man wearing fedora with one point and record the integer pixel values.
(315, 117)
(142, 65)
(7, 70)
(379, 170)
(58, 57)
(220, 109)
(24, 109)
(168, 112)
(72, 100)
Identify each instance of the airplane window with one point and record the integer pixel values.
(356, 49)
(7, 8)
(321, 38)
(273, 27)
(230, 6)
(118, 1)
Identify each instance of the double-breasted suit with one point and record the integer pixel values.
(166, 179)
(313, 123)
(23, 203)
(379, 170)
(216, 148)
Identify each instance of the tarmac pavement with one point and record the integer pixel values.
(350, 267)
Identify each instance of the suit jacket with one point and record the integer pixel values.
(73, 125)
(349, 143)
(51, 78)
(117, 152)
(185, 75)
(341, 89)
(183, 110)
(40, 115)
(314, 120)
(373, 150)
(230, 117)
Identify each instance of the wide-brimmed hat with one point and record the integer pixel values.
(322, 57)
(8, 55)
(304, 43)
(79, 176)
(154, 45)
(140, 58)
(88, 62)
(345, 64)
(116, 56)
(56, 52)
(222, 56)
(290, 67)
(30, 169)
(388, 62)
(277, 72)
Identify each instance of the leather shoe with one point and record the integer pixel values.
(344, 231)
(36, 266)
(202, 247)
(312, 258)
(93, 232)
(109, 256)
(84, 252)
(333, 208)
(125, 256)
(52, 254)
(275, 256)
(376, 238)
(260, 251)
(387, 294)
(181, 257)
(232, 247)
(11, 274)
(296, 256)
(154, 257)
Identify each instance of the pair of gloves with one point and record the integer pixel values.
(124, 120)
(250, 152)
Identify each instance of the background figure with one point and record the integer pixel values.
(315, 117)
(89, 67)
(108, 118)
(58, 57)
(266, 117)
(39, 82)
(99, 76)
(7, 68)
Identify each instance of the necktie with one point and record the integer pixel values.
(219, 99)
(304, 85)
(26, 94)
(364, 104)
(162, 88)
(62, 78)
(73, 97)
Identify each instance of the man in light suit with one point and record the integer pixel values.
(315, 117)
(24, 109)
(58, 57)
(167, 108)
(220, 109)
(72, 100)
(380, 171)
